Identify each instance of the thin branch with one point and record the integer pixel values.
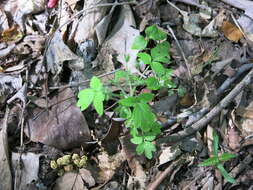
(209, 116)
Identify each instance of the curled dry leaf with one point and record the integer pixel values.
(233, 136)
(57, 53)
(4, 25)
(86, 27)
(119, 42)
(62, 127)
(231, 31)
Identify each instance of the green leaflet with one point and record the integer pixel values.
(85, 98)
(146, 148)
(160, 53)
(225, 174)
(154, 33)
(140, 43)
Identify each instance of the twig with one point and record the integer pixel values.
(181, 50)
(82, 82)
(230, 80)
(209, 116)
(161, 176)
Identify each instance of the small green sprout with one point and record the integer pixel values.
(217, 160)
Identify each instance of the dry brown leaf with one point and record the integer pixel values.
(63, 126)
(12, 34)
(70, 180)
(231, 31)
(108, 165)
(187, 100)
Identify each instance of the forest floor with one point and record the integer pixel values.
(126, 94)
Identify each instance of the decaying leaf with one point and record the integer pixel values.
(28, 173)
(169, 153)
(192, 23)
(86, 27)
(246, 124)
(119, 42)
(11, 34)
(25, 7)
(57, 53)
(70, 180)
(134, 163)
(108, 165)
(231, 31)
(9, 83)
(63, 126)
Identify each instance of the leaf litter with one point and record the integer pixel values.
(49, 51)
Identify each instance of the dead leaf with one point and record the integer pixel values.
(120, 41)
(70, 180)
(187, 100)
(231, 31)
(246, 124)
(86, 27)
(102, 26)
(63, 127)
(108, 165)
(4, 25)
(129, 152)
(5, 174)
(28, 173)
(57, 53)
(25, 7)
(169, 154)
(87, 177)
(12, 34)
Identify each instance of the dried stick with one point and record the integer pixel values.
(209, 116)
(162, 175)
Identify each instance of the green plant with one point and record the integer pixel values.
(217, 160)
(134, 106)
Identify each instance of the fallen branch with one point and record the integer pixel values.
(209, 116)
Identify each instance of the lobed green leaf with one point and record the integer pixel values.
(98, 102)
(152, 83)
(129, 101)
(95, 83)
(85, 98)
(160, 52)
(145, 58)
(140, 43)
(145, 97)
(154, 33)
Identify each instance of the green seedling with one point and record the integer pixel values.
(217, 161)
(134, 106)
